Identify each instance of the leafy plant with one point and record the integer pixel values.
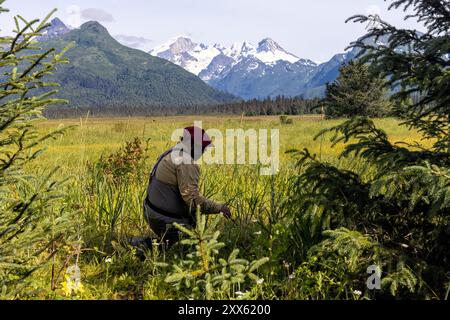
(286, 120)
(33, 219)
(125, 163)
(204, 273)
(399, 198)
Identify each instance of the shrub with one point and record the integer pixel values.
(204, 274)
(33, 220)
(286, 120)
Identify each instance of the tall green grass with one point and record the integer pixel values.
(110, 208)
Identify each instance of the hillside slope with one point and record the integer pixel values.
(102, 72)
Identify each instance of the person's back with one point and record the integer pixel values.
(173, 192)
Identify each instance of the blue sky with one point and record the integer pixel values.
(309, 29)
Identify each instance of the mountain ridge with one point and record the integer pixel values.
(104, 72)
(56, 29)
(243, 69)
(250, 71)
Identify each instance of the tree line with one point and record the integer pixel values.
(356, 92)
(280, 105)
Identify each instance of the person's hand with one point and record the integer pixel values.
(226, 211)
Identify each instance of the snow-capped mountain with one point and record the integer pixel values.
(245, 69)
(208, 61)
(56, 29)
(194, 57)
(242, 69)
(255, 71)
(269, 51)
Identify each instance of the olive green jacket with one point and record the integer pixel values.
(186, 176)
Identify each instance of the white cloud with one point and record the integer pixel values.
(140, 43)
(99, 15)
(74, 15)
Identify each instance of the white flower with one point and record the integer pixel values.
(108, 260)
(357, 292)
(292, 276)
(260, 281)
(239, 293)
(258, 233)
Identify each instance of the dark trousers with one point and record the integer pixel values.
(163, 226)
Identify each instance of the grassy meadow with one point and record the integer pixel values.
(106, 207)
(89, 138)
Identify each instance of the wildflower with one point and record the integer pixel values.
(292, 276)
(72, 286)
(357, 292)
(108, 260)
(260, 281)
(258, 233)
(239, 293)
(73, 281)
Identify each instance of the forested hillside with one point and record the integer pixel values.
(269, 106)
(102, 72)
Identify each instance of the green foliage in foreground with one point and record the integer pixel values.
(304, 260)
(204, 272)
(401, 197)
(32, 221)
(320, 223)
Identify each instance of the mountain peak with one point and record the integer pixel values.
(271, 52)
(92, 33)
(56, 29)
(56, 23)
(95, 27)
(175, 46)
(269, 45)
(182, 44)
(204, 59)
(240, 49)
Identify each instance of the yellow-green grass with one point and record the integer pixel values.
(89, 138)
(249, 195)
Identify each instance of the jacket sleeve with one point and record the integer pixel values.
(188, 176)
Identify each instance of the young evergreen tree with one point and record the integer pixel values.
(32, 217)
(401, 197)
(417, 64)
(204, 274)
(356, 92)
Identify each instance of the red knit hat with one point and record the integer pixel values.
(197, 136)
